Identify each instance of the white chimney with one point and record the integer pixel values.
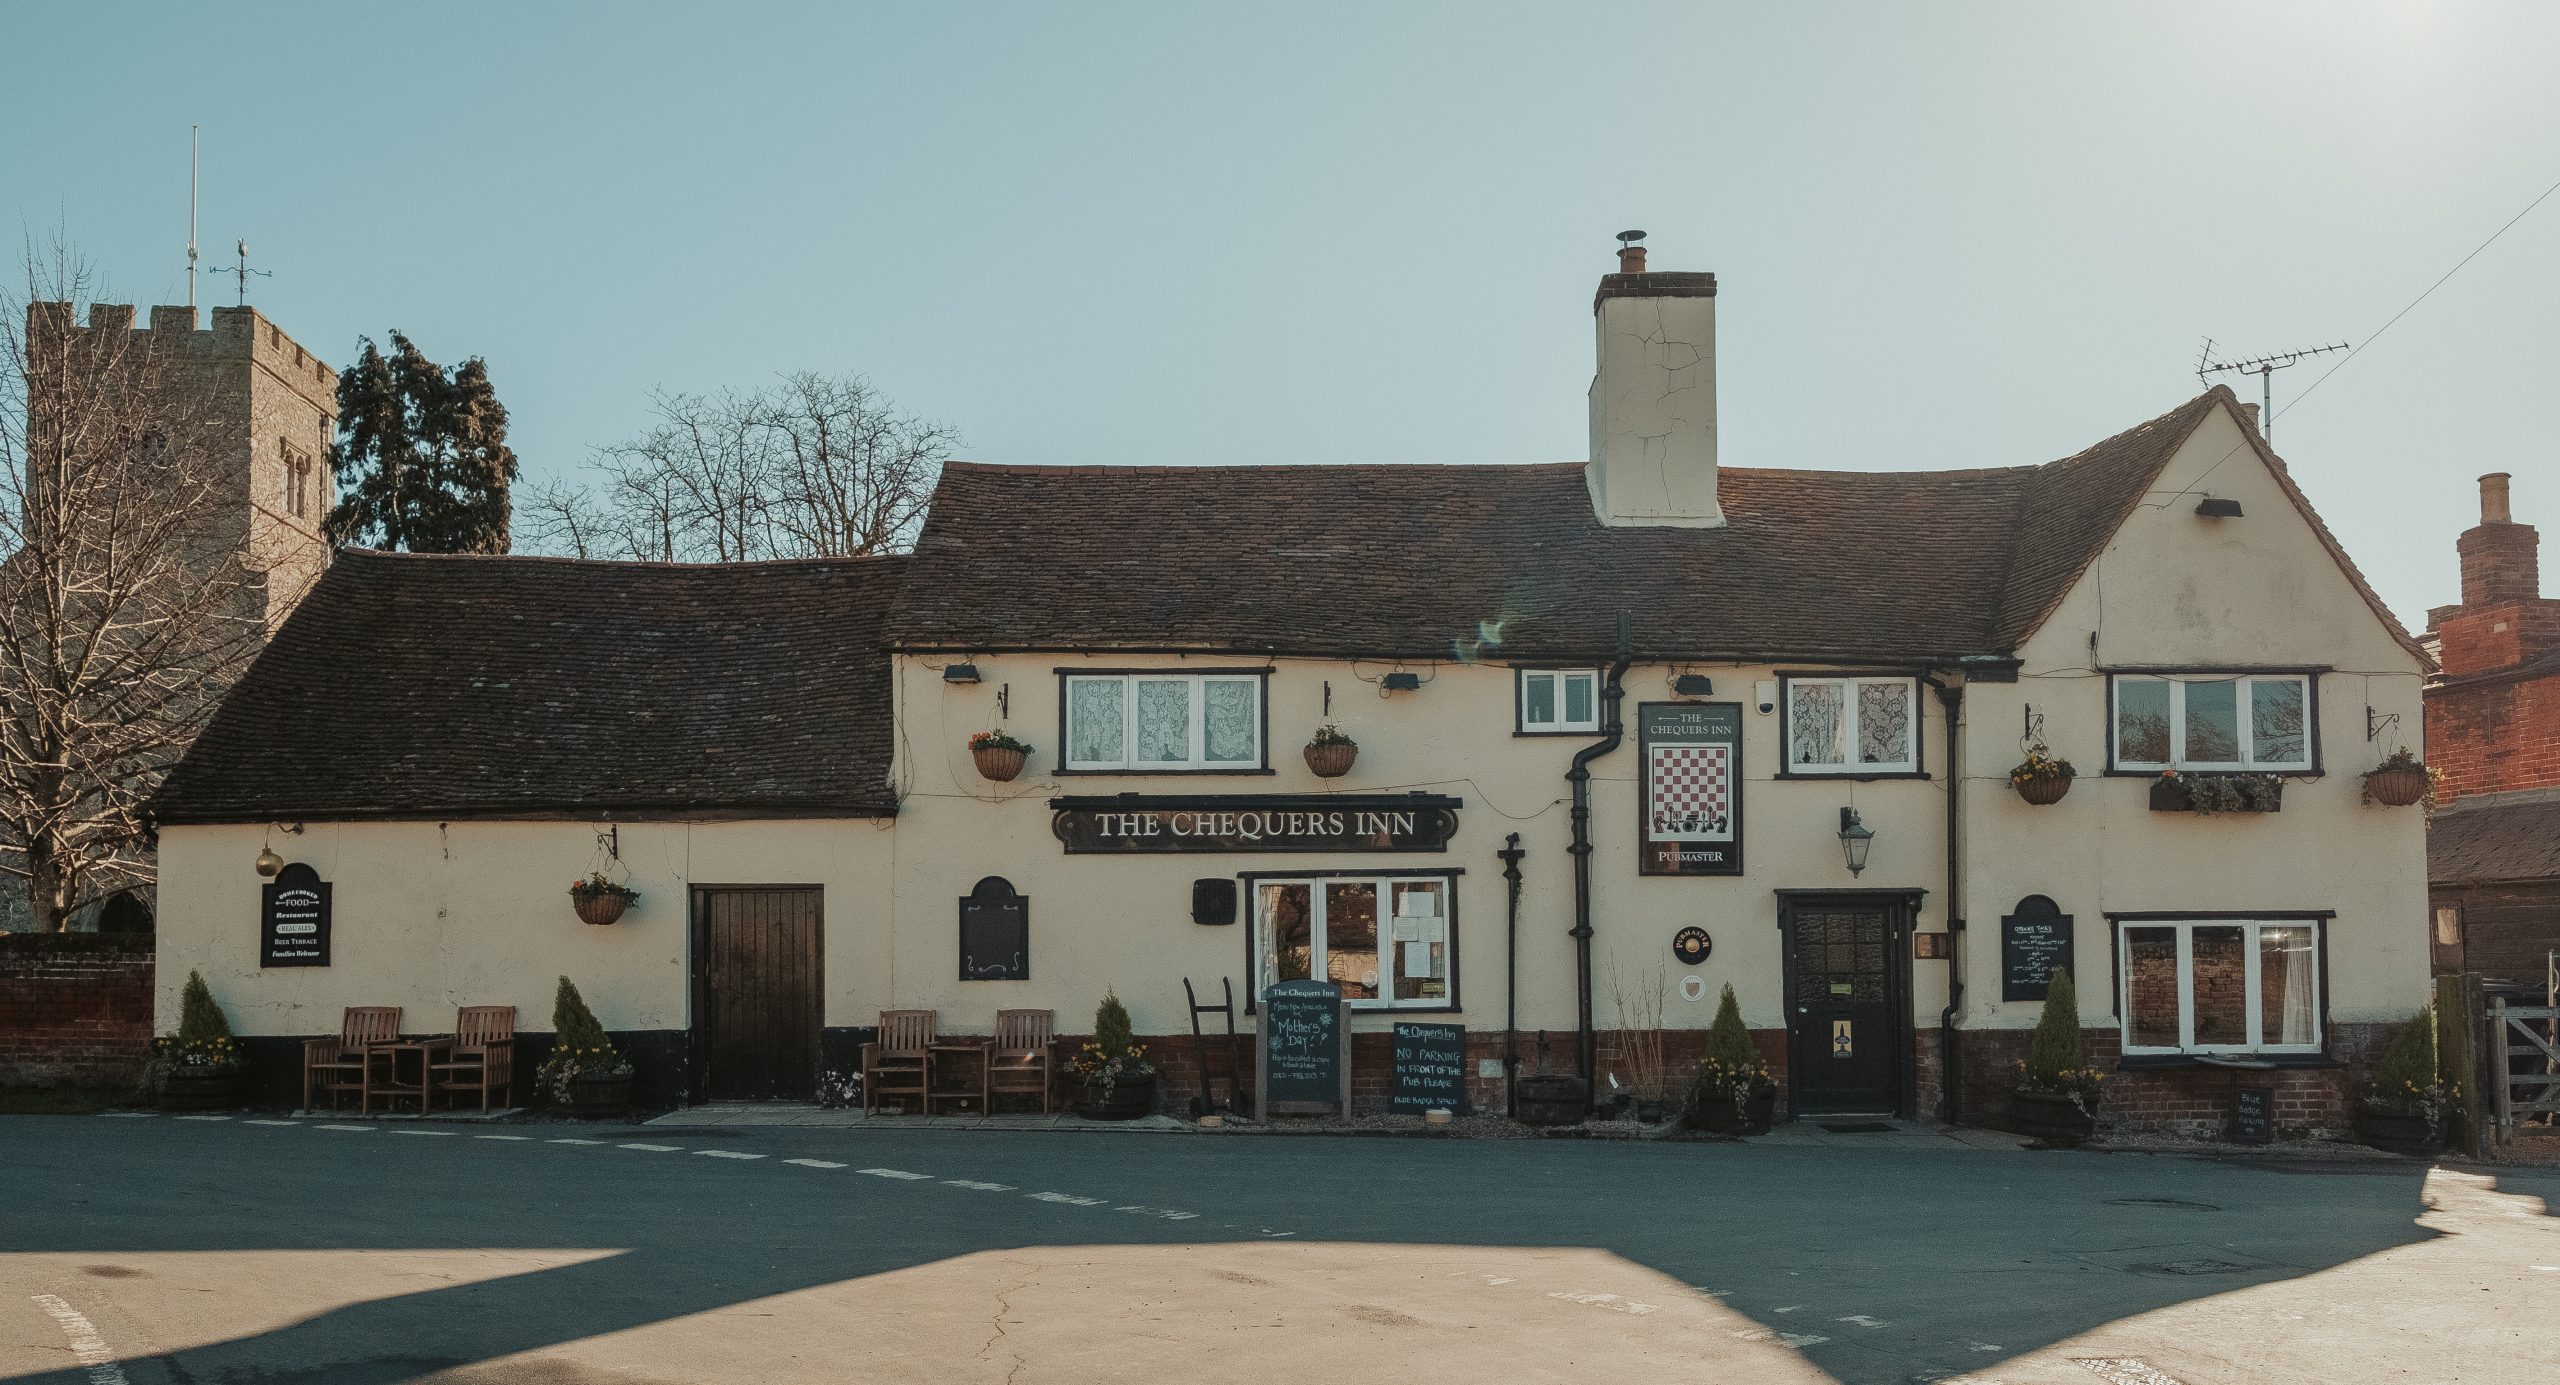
(1653, 402)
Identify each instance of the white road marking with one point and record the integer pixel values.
(654, 1149)
(1987, 1346)
(446, 1133)
(1790, 1308)
(1801, 1340)
(130, 1115)
(2126, 1370)
(1862, 1320)
(981, 1187)
(201, 1118)
(815, 1163)
(502, 1137)
(566, 1140)
(259, 1122)
(360, 1129)
(1612, 1302)
(1165, 1212)
(1072, 1200)
(2548, 1269)
(725, 1153)
(896, 1173)
(86, 1345)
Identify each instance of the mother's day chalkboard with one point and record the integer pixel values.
(1430, 1071)
(1304, 1054)
(2035, 942)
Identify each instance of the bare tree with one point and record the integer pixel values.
(815, 466)
(125, 611)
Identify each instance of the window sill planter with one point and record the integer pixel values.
(1332, 760)
(2400, 1132)
(2397, 786)
(2043, 790)
(600, 1098)
(998, 762)
(601, 907)
(1124, 1100)
(2243, 794)
(1753, 1117)
(1548, 1101)
(206, 1087)
(2055, 1120)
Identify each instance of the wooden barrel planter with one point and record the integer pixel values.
(1125, 1100)
(1548, 1101)
(600, 1098)
(2043, 790)
(1332, 760)
(2397, 787)
(997, 762)
(1757, 1112)
(2396, 1131)
(2058, 1121)
(200, 1089)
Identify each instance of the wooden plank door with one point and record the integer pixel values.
(759, 993)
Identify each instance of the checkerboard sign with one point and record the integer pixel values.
(1692, 788)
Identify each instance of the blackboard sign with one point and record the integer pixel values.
(2252, 1115)
(1690, 789)
(1304, 1052)
(1430, 1072)
(995, 933)
(1227, 823)
(2035, 942)
(293, 919)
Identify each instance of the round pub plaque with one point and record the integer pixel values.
(1691, 945)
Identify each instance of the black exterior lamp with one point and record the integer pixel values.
(1402, 681)
(2216, 507)
(1855, 838)
(959, 673)
(1693, 685)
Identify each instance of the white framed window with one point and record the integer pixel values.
(1853, 725)
(2220, 985)
(1557, 700)
(1162, 721)
(1389, 941)
(2257, 721)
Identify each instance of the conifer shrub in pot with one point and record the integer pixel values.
(2403, 1105)
(583, 1075)
(2056, 1100)
(1116, 1082)
(1731, 1092)
(198, 1068)
(1331, 752)
(2400, 780)
(999, 756)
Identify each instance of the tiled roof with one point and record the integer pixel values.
(1426, 561)
(409, 685)
(2510, 836)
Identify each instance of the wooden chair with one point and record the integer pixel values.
(482, 1057)
(901, 1062)
(337, 1066)
(1019, 1061)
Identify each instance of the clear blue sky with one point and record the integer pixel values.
(1947, 235)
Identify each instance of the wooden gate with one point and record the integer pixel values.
(759, 987)
(2531, 1087)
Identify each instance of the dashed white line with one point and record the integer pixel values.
(895, 1173)
(446, 1133)
(1862, 1320)
(2126, 1370)
(359, 1129)
(724, 1153)
(260, 1122)
(978, 1186)
(1068, 1198)
(654, 1149)
(130, 1115)
(502, 1137)
(1165, 1212)
(87, 1347)
(1612, 1302)
(1790, 1308)
(815, 1163)
(566, 1140)
(201, 1118)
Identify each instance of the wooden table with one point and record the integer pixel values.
(390, 1088)
(973, 1086)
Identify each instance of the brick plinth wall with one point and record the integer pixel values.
(75, 1009)
(2188, 1103)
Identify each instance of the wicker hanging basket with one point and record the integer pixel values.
(2397, 786)
(2043, 789)
(1332, 760)
(997, 762)
(601, 907)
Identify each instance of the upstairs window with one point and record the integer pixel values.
(1554, 701)
(1853, 726)
(2258, 722)
(1163, 722)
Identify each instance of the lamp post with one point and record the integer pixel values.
(1855, 838)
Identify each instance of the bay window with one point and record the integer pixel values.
(1385, 940)
(2259, 722)
(1162, 721)
(2220, 986)
(1852, 726)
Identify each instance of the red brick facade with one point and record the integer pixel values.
(2187, 1103)
(2493, 716)
(74, 1009)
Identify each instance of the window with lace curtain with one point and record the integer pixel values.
(2220, 986)
(1163, 722)
(1852, 726)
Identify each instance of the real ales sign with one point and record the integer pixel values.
(1692, 788)
(293, 919)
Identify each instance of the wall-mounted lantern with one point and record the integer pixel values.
(2218, 507)
(1855, 838)
(1693, 685)
(269, 862)
(959, 673)
(1401, 681)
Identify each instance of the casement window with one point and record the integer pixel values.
(2220, 986)
(2200, 721)
(1163, 721)
(1387, 941)
(1852, 726)
(1557, 700)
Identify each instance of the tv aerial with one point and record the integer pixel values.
(2264, 367)
(242, 271)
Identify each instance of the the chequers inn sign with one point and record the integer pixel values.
(1154, 823)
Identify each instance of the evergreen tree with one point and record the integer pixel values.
(1729, 1039)
(2056, 1049)
(421, 459)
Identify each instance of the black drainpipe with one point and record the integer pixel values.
(1613, 695)
(1510, 855)
(1950, 1066)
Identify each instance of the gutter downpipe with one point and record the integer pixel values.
(1613, 695)
(1510, 855)
(1950, 1065)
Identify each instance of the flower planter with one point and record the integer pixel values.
(599, 908)
(1753, 1117)
(1124, 1100)
(1331, 761)
(1548, 1101)
(2397, 1131)
(600, 1098)
(2058, 1121)
(2176, 796)
(200, 1088)
(997, 762)
(2398, 786)
(2043, 789)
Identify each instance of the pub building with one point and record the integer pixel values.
(1627, 732)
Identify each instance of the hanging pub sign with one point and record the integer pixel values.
(995, 933)
(2035, 942)
(1691, 787)
(293, 919)
(1152, 823)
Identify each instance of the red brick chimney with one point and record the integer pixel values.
(2500, 562)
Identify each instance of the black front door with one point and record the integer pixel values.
(758, 994)
(1849, 1002)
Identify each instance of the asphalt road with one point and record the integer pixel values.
(220, 1252)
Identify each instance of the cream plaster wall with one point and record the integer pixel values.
(2174, 588)
(431, 916)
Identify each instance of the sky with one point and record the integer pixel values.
(1949, 235)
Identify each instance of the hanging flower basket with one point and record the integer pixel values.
(1331, 752)
(600, 901)
(2041, 778)
(2398, 781)
(1000, 757)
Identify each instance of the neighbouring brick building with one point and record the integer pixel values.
(75, 1009)
(2493, 734)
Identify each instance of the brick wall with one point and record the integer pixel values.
(2190, 1103)
(2494, 735)
(75, 1009)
